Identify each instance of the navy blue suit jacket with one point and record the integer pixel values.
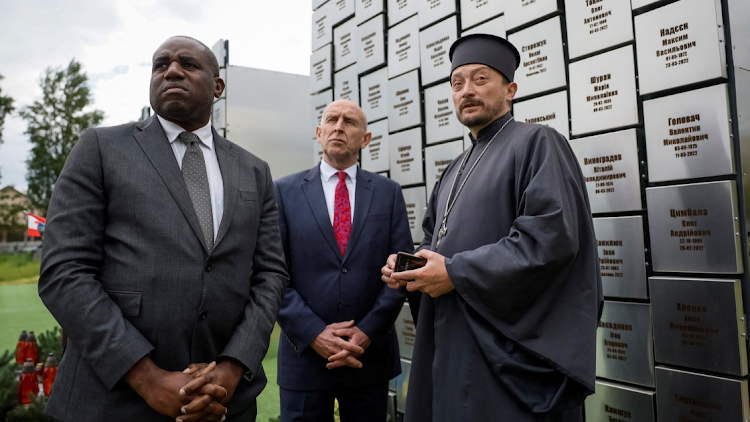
(326, 287)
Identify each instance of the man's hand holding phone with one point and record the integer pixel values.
(425, 272)
(406, 261)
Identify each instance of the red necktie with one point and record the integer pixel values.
(342, 213)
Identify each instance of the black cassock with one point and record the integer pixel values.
(516, 340)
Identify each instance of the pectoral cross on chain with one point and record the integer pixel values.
(443, 230)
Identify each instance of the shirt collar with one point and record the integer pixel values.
(327, 171)
(172, 130)
(489, 131)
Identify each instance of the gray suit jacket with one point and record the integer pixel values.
(125, 272)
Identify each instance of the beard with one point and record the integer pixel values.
(482, 117)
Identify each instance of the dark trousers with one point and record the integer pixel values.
(356, 404)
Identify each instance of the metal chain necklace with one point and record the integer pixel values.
(448, 203)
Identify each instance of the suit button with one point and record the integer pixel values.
(208, 267)
(344, 270)
(203, 315)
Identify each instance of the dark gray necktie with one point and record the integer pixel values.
(196, 179)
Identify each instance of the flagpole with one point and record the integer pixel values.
(26, 232)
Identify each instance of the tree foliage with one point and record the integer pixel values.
(48, 342)
(54, 125)
(6, 107)
(8, 383)
(33, 412)
(10, 211)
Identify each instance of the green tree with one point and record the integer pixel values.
(54, 125)
(6, 107)
(10, 211)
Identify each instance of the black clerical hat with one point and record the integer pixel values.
(495, 52)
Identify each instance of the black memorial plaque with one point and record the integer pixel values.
(406, 157)
(322, 31)
(403, 47)
(344, 45)
(376, 156)
(374, 95)
(622, 257)
(602, 92)
(318, 104)
(542, 66)
(624, 349)
(431, 11)
(406, 331)
(371, 44)
(679, 44)
(520, 12)
(495, 27)
(695, 228)
(435, 42)
(404, 101)
(341, 10)
(596, 25)
(402, 385)
(683, 396)
(441, 123)
(476, 11)
(416, 204)
(437, 158)
(366, 9)
(398, 10)
(321, 69)
(699, 323)
(614, 402)
(550, 110)
(346, 84)
(610, 167)
(688, 135)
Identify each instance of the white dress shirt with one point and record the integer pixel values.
(215, 183)
(330, 179)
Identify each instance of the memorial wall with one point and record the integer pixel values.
(654, 98)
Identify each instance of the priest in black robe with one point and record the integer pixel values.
(511, 292)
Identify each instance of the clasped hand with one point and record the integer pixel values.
(195, 395)
(341, 343)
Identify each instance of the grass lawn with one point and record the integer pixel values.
(268, 401)
(21, 309)
(14, 267)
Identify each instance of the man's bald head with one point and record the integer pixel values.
(342, 133)
(349, 105)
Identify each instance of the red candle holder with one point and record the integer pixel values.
(21, 348)
(28, 385)
(50, 371)
(32, 352)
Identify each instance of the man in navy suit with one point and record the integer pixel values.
(338, 224)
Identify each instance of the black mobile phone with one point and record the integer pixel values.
(406, 261)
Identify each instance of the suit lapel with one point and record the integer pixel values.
(155, 145)
(230, 175)
(313, 189)
(362, 199)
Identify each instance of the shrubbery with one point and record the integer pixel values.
(47, 342)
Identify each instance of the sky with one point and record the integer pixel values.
(114, 41)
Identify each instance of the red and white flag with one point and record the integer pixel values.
(36, 224)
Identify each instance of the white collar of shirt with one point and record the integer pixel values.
(172, 130)
(329, 179)
(327, 171)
